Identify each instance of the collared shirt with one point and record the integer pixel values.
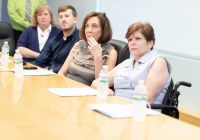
(55, 52)
(126, 78)
(43, 36)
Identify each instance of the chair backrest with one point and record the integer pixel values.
(167, 98)
(122, 49)
(6, 34)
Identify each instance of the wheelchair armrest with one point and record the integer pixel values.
(172, 108)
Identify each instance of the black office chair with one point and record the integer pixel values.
(6, 34)
(122, 49)
(170, 101)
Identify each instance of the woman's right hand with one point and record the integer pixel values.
(110, 92)
(94, 48)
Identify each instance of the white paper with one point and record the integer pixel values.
(2, 67)
(6, 69)
(119, 111)
(10, 61)
(73, 91)
(36, 72)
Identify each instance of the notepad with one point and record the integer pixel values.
(118, 111)
(36, 72)
(64, 92)
(10, 61)
(2, 68)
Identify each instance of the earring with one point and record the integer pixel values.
(149, 49)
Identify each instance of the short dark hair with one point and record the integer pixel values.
(146, 30)
(106, 34)
(64, 8)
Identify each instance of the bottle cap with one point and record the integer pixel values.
(105, 66)
(140, 81)
(6, 42)
(17, 51)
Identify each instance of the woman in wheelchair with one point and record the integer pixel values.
(87, 56)
(146, 65)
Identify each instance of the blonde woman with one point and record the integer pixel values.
(42, 29)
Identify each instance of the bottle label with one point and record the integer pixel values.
(5, 51)
(18, 61)
(139, 97)
(104, 79)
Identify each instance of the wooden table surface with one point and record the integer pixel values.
(28, 111)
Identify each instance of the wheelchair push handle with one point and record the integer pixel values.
(183, 83)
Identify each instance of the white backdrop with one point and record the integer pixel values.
(176, 22)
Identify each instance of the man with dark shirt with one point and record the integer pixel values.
(57, 49)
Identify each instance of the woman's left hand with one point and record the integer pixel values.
(94, 47)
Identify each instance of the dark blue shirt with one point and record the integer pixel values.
(56, 51)
(29, 39)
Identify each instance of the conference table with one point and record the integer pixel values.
(28, 111)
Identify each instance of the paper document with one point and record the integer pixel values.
(73, 91)
(4, 69)
(36, 72)
(10, 61)
(119, 111)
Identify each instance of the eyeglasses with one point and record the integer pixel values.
(104, 14)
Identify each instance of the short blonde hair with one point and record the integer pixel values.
(39, 9)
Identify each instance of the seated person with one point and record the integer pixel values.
(57, 49)
(88, 56)
(146, 65)
(33, 39)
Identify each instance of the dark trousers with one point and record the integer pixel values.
(16, 36)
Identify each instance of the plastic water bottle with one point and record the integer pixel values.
(102, 90)
(139, 101)
(18, 64)
(5, 54)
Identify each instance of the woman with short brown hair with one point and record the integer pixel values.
(147, 65)
(88, 56)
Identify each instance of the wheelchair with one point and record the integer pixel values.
(170, 101)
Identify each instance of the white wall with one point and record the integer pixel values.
(177, 29)
(83, 7)
(176, 22)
